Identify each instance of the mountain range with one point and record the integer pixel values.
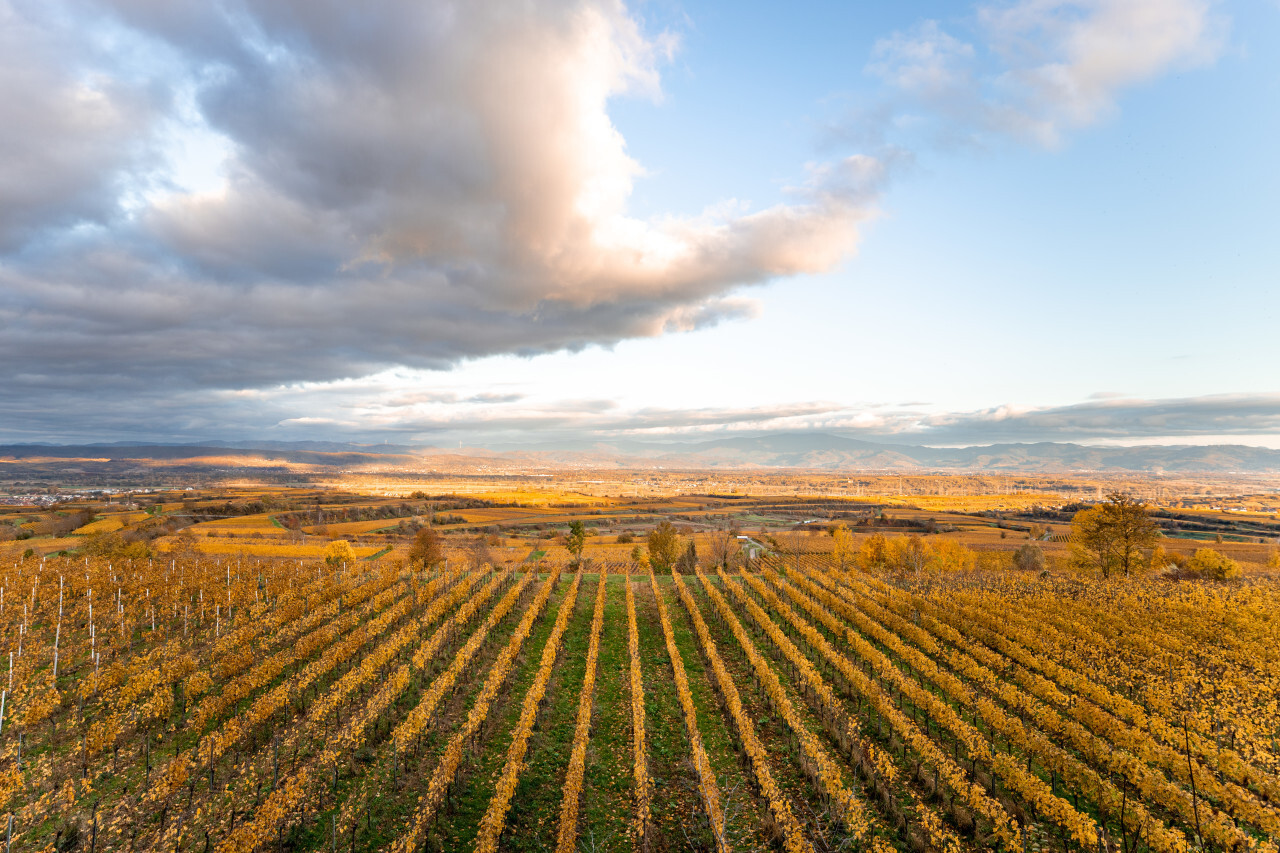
(825, 451)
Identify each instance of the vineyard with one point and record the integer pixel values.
(213, 704)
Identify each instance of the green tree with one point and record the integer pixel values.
(1110, 537)
(576, 541)
(664, 546)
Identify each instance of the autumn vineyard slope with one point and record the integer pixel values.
(234, 705)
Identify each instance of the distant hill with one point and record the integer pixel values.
(815, 451)
(825, 451)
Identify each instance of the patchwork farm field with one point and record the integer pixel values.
(230, 704)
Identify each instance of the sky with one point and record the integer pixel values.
(510, 223)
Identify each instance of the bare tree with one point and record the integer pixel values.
(478, 553)
(723, 549)
(792, 542)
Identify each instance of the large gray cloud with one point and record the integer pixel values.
(410, 183)
(70, 133)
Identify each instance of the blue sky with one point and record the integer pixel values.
(916, 222)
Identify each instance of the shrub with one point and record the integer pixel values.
(338, 552)
(1208, 563)
(1029, 558)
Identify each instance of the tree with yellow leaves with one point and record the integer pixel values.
(664, 545)
(427, 548)
(908, 554)
(843, 549)
(1208, 563)
(339, 552)
(874, 552)
(1110, 537)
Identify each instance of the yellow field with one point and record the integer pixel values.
(250, 525)
(350, 528)
(15, 549)
(261, 521)
(538, 497)
(497, 514)
(110, 523)
(968, 503)
(314, 550)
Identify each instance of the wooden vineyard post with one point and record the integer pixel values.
(1195, 804)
